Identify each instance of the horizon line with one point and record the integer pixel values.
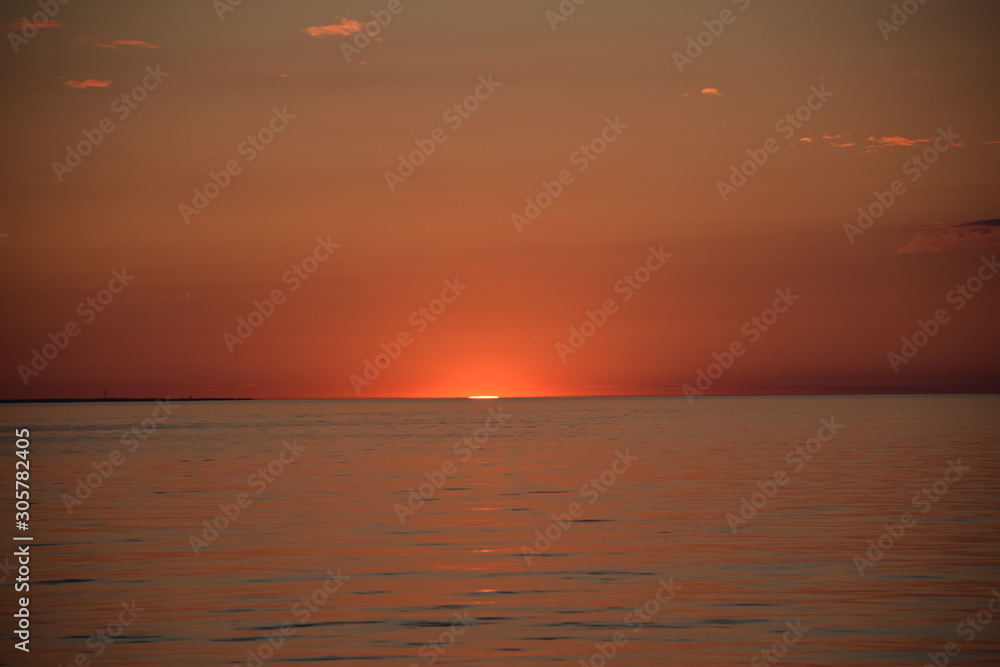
(835, 392)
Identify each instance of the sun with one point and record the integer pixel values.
(483, 398)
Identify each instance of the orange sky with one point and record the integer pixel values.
(611, 69)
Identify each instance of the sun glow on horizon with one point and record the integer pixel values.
(483, 398)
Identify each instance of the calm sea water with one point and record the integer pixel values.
(641, 489)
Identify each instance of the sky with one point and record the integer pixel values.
(325, 170)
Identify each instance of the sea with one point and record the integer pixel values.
(632, 532)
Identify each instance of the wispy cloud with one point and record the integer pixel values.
(713, 92)
(942, 237)
(830, 141)
(837, 141)
(345, 28)
(114, 44)
(88, 83)
(869, 144)
(889, 142)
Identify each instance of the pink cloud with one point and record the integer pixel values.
(871, 144)
(134, 42)
(942, 237)
(88, 83)
(345, 28)
(830, 141)
(896, 141)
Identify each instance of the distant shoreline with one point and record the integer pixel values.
(115, 400)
